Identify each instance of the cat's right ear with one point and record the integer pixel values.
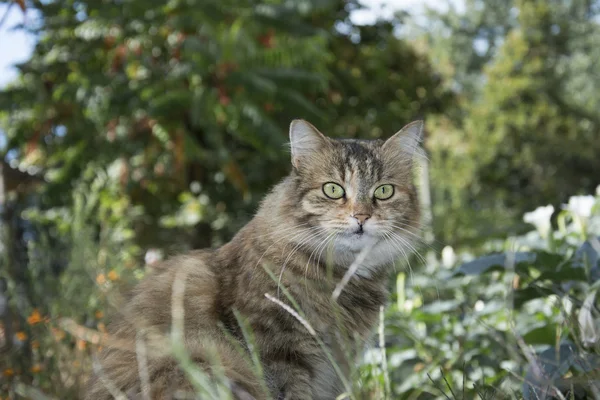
(305, 140)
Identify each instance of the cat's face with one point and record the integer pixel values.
(356, 193)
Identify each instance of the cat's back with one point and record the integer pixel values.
(185, 283)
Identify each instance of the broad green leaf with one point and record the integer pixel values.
(494, 262)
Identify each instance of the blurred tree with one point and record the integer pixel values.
(541, 137)
(378, 81)
(174, 102)
(523, 130)
(460, 43)
(163, 96)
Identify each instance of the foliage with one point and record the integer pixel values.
(165, 99)
(526, 78)
(154, 127)
(520, 323)
(57, 323)
(174, 101)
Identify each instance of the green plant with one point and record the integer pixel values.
(520, 323)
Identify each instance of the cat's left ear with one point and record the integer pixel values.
(305, 141)
(406, 141)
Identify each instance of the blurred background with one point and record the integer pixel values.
(130, 130)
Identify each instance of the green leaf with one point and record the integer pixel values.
(545, 334)
(587, 257)
(522, 296)
(494, 263)
(550, 365)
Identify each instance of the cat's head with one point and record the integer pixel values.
(357, 193)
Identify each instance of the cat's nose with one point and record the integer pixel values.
(361, 218)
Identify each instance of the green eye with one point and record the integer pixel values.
(384, 192)
(333, 190)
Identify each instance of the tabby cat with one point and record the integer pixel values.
(307, 275)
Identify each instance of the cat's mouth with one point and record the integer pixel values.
(357, 233)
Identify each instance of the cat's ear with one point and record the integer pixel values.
(305, 140)
(406, 141)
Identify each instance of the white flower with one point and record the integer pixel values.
(540, 218)
(581, 205)
(448, 257)
(409, 305)
(479, 305)
(589, 331)
(153, 256)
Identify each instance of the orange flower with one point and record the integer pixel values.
(101, 327)
(99, 314)
(22, 336)
(36, 368)
(81, 344)
(35, 344)
(100, 279)
(112, 275)
(9, 372)
(35, 317)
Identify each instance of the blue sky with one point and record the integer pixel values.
(16, 46)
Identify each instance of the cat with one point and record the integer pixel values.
(306, 275)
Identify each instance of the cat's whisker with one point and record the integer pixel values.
(305, 239)
(314, 233)
(310, 256)
(412, 248)
(289, 235)
(327, 241)
(331, 242)
(417, 231)
(321, 246)
(415, 235)
(399, 246)
(410, 270)
(296, 239)
(297, 242)
(411, 275)
(387, 237)
(307, 236)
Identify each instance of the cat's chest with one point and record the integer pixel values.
(353, 313)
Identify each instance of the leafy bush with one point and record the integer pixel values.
(519, 323)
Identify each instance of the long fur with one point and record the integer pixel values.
(300, 244)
